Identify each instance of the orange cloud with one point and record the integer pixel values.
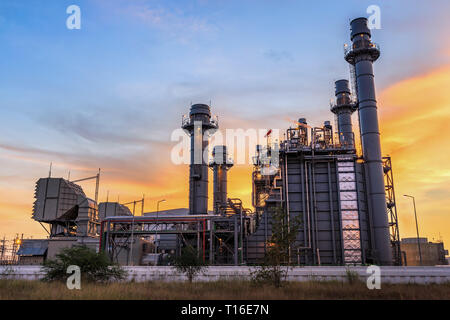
(414, 117)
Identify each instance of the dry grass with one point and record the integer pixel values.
(221, 290)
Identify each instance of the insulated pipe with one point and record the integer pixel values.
(362, 55)
(343, 109)
(198, 123)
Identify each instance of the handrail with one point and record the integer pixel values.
(360, 45)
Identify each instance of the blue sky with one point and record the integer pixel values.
(133, 58)
(111, 93)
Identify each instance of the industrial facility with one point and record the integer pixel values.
(344, 200)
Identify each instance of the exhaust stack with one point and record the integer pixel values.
(220, 166)
(361, 55)
(197, 124)
(343, 108)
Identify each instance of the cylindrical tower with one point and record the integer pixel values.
(196, 124)
(328, 133)
(303, 131)
(220, 166)
(343, 109)
(362, 54)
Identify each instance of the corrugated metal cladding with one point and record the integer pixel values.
(33, 247)
(327, 192)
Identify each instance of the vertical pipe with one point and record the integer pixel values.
(330, 195)
(302, 178)
(211, 241)
(266, 235)
(198, 239)
(235, 240)
(312, 219)
(369, 215)
(101, 237)
(97, 186)
(307, 205)
(313, 198)
(362, 56)
(287, 203)
(361, 233)
(204, 239)
(241, 234)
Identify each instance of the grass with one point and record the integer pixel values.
(220, 290)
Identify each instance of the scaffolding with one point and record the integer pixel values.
(8, 250)
(217, 239)
(392, 210)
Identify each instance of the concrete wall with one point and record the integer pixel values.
(432, 253)
(31, 260)
(422, 275)
(55, 245)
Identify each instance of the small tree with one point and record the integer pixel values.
(94, 266)
(282, 241)
(284, 236)
(189, 263)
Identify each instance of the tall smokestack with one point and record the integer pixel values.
(198, 122)
(343, 109)
(220, 166)
(362, 55)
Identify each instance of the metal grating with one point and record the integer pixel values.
(351, 233)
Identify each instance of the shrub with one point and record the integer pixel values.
(268, 274)
(283, 240)
(189, 263)
(95, 267)
(352, 276)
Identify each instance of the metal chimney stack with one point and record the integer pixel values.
(198, 122)
(362, 54)
(343, 109)
(220, 166)
(303, 131)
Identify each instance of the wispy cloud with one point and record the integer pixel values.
(169, 19)
(278, 55)
(415, 114)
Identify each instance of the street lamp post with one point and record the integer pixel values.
(417, 226)
(157, 225)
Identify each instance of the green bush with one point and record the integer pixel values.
(189, 263)
(352, 276)
(268, 275)
(95, 267)
(277, 258)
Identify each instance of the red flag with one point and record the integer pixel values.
(268, 133)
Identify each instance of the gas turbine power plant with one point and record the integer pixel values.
(345, 201)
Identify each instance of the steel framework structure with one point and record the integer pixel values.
(218, 239)
(392, 210)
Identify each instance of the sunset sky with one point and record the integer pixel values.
(110, 95)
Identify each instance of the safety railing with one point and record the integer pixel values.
(359, 45)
